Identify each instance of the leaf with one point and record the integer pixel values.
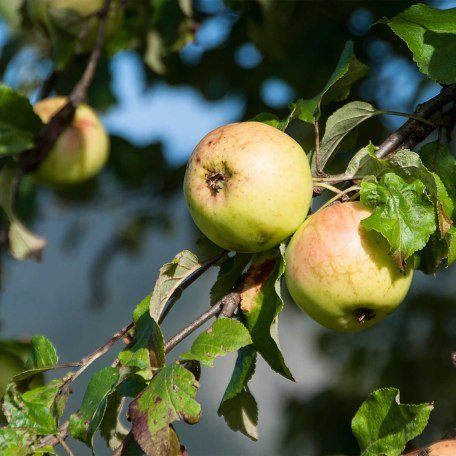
(383, 425)
(15, 442)
(272, 120)
(111, 427)
(155, 52)
(171, 276)
(42, 355)
(430, 34)
(141, 308)
(241, 414)
(365, 163)
(223, 337)
(437, 158)
(229, 273)
(87, 420)
(35, 409)
(18, 122)
(238, 406)
(261, 304)
(242, 373)
(347, 72)
(23, 243)
(339, 124)
(450, 239)
(409, 166)
(169, 397)
(147, 351)
(402, 213)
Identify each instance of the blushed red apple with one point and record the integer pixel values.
(340, 273)
(80, 152)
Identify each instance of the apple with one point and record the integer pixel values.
(74, 17)
(79, 153)
(340, 273)
(248, 186)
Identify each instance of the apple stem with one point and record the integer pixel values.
(340, 195)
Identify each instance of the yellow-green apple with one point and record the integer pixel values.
(80, 152)
(248, 186)
(342, 274)
(10, 365)
(76, 17)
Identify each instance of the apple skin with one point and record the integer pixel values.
(248, 186)
(340, 273)
(79, 153)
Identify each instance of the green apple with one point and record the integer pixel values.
(342, 274)
(80, 152)
(248, 186)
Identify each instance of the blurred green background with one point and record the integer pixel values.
(107, 239)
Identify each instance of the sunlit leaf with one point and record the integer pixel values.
(383, 425)
(223, 337)
(402, 213)
(430, 34)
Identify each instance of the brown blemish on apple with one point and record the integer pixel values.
(256, 277)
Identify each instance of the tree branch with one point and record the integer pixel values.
(413, 128)
(63, 118)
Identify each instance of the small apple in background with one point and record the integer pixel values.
(73, 16)
(340, 273)
(80, 152)
(248, 186)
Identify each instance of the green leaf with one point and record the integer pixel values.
(111, 428)
(238, 406)
(402, 213)
(229, 273)
(261, 304)
(169, 397)
(36, 409)
(384, 426)
(241, 414)
(347, 72)
(87, 420)
(147, 351)
(18, 122)
(450, 239)
(409, 166)
(437, 158)
(23, 243)
(242, 373)
(171, 276)
(141, 308)
(339, 124)
(365, 163)
(272, 120)
(15, 442)
(223, 337)
(42, 355)
(430, 34)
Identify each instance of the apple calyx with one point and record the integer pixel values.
(215, 181)
(364, 314)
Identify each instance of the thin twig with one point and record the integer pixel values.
(65, 446)
(327, 186)
(317, 148)
(339, 196)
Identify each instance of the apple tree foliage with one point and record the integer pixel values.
(410, 189)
